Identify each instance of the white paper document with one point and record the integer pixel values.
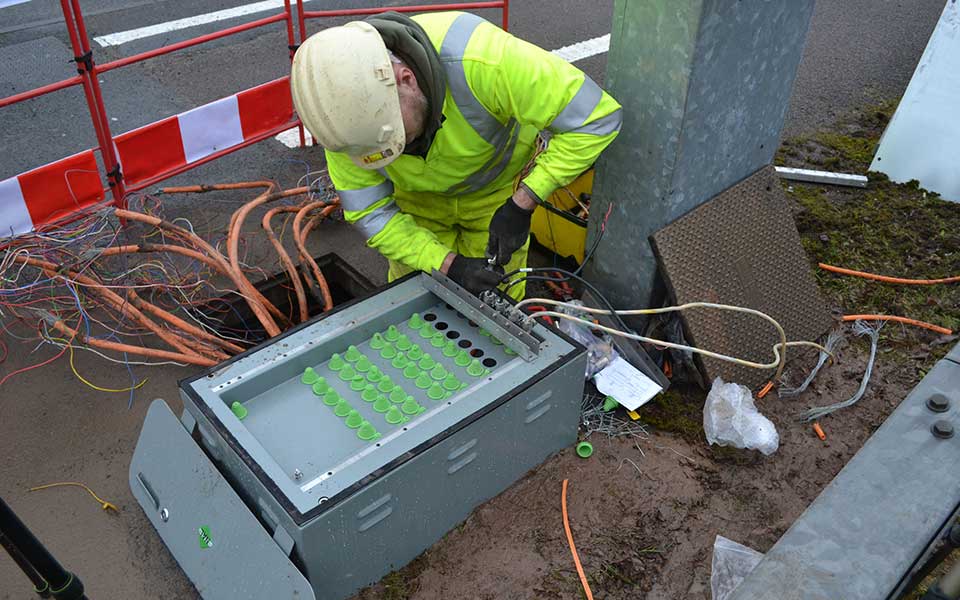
(631, 388)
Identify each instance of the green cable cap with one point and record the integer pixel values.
(584, 449)
(352, 354)
(463, 358)
(404, 343)
(309, 376)
(374, 374)
(438, 341)
(410, 406)
(342, 408)
(376, 342)
(392, 334)
(370, 393)
(496, 341)
(476, 369)
(347, 373)
(367, 432)
(358, 383)
(610, 403)
(320, 386)
(438, 372)
(388, 352)
(415, 321)
(364, 364)
(509, 351)
(484, 332)
(415, 352)
(451, 349)
(451, 383)
(239, 410)
(427, 331)
(399, 361)
(336, 362)
(354, 419)
(394, 416)
(397, 395)
(426, 362)
(331, 397)
(386, 385)
(435, 392)
(447, 394)
(382, 404)
(423, 381)
(411, 371)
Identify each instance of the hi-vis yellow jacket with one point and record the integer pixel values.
(501, 91)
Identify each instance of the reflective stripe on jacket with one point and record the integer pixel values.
(501, 91)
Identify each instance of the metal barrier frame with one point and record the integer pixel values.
(88, 71)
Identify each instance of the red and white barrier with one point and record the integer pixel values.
(49, 193)
(189, 137)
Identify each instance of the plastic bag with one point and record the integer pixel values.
(730, 418)
(600, 351)
(732, 562)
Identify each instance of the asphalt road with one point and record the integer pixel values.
(51, 429)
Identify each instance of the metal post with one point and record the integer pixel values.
(704, 86)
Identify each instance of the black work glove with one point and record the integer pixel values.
(474, 274)
(509, 230)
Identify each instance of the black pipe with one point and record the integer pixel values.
(63, 584)
(40, 586)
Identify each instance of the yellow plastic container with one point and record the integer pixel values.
(558, 227)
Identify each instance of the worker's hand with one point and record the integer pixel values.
(510, 227)
(474, 274)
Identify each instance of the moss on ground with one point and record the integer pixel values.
(677, 411)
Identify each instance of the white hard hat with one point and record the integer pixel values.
(346, 95)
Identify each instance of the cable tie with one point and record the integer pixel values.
(86, 60)
(115, 175)
(293, 47)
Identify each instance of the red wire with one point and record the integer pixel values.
(4, 346)
(32, 367)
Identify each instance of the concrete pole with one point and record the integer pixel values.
(704, 86)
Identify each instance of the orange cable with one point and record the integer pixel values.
(903, 320)
(138, 350)
(886, 279)
(573, 548)
(285, 259)
(305, 254)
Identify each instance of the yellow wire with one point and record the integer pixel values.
(103, 503)
(96, 387)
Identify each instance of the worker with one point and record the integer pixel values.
(430, 127)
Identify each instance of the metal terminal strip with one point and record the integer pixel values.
(524, 343)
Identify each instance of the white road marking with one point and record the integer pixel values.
(122, 37)
(572, 53)
(6, 3)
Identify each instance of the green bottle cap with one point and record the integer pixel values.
(411, 371)
(476, 369)
(394, 416)
(309, 376)
(509, 351)
(427, 331)
(347, 373)
(352, 354)
(382, 404)
(410, 406)
(435, 392)
(610, 403)
(451, 349)
(426, 362)
(392, 333)
(320, 386)
(239, 410)
(374, 374)
(397, 395)
(438, 341)
(331, 397)
(336, 362)
(386, 385)
(354, 419)
(463, 358)
(364, 364)
(415, 321)
(451, 383)
(388, 352)
(367, 432)
(438, 372)
(358, 383)
(414, 353)
(376, 342)
(423, 381)
(399, 361)
(369, 393)
(404, 343)
(342, 408)
(584, 449)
